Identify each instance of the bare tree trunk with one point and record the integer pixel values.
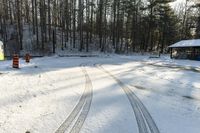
(114, 24)
(36, 24)
(81, 24)
(49, 20)
(66, 21)
(11, 18)
(91, 20)
(100, 23)
(33, 16)
(74, 24)
(41, 23)
(19, 24)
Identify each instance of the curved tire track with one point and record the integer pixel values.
(144, 120)
(77, 117)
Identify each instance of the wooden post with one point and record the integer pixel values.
(171, 53)
(194, 54)
(27, 58)
(54, 41)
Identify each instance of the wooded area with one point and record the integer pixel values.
(120, 26)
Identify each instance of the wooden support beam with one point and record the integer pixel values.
(171, 53)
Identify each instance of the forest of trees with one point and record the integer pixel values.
(120, 25)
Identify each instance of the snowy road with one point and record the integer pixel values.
(144, 120)
(80, 110)
(125, 94)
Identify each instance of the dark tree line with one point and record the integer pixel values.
(86, 25)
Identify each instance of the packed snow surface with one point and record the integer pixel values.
(40, 95)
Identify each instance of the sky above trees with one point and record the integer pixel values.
(173, 4)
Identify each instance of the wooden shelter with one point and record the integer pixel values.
(186, 49)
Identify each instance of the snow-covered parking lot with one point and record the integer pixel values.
(108, 94)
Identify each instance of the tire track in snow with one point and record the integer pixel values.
(144, 120)
(75, 120)
(171, 66)
(185, 68)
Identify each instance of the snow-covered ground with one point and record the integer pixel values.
(40, 95)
